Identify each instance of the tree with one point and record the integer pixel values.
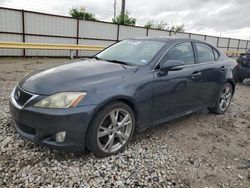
(161, 26)
(165, 26)
(149, 24)
(177, 28)
(81, 13)
(126, 21)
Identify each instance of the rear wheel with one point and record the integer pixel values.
(111, 130)
(240, 79)
(224, 99)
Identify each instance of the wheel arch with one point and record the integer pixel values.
(230, 81)
(124, 99)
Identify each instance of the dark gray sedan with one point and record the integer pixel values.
(132, 85)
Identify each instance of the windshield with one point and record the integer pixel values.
(133, 52)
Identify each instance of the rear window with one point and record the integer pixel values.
(204, 53)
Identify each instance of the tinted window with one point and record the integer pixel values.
(183, 52)
(204, 53)
(216, 54)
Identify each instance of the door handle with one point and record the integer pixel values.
(196, 74)
(222, 69)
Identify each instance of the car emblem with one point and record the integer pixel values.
(17, 95)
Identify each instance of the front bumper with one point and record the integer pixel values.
(40, 125)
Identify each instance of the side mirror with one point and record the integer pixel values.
(171, 65)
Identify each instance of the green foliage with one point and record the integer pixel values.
(149, 24)
(127, 20)
(81, 13)
(177, 28)
(161, 26)
(164, 26)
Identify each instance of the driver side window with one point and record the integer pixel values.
(182, 52)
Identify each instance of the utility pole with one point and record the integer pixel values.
(115, 8)
(123, 10)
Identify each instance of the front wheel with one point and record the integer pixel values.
(224, 99)
(111, 130)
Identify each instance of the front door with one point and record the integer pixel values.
(176, 92)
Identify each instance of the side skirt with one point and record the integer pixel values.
(168, 119)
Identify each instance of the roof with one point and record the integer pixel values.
(166, 39)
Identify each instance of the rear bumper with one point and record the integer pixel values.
(40, 125)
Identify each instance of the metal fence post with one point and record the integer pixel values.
(146, 32)
(71, 54)
(77, 35)
(23, 31)
(118, 32)
(228, 44)
(238, 45)
(218, 39)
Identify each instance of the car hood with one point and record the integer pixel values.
(76, 76)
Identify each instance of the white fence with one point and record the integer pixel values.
(34, 27)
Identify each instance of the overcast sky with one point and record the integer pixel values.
(228, 18)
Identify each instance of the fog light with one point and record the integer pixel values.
(60, 136)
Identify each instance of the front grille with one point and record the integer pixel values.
(21, 96)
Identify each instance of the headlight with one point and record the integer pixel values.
(61, 100)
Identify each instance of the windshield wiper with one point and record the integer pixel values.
(119, 62)
(113, 61)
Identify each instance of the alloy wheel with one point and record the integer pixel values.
(225, 98)
(114, 130)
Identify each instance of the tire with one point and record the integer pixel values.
(240, 79)
(111, 130)
(224, 97)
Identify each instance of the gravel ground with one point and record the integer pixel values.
(200, 150)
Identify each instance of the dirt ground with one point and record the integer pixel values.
(209, 150)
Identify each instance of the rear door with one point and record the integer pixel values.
(213, 72)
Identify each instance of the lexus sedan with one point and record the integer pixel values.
(244, 62)
(97, 104)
